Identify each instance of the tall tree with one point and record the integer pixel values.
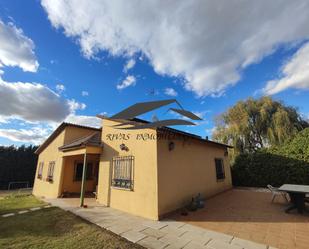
(17, 164)
(257, 123)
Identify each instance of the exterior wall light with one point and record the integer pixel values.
(124, 147)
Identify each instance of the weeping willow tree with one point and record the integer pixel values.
(258, 123)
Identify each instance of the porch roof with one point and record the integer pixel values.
(93, 140)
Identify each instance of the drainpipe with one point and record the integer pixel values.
(82, 192)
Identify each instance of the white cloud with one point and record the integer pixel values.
(130, 80)
(295, 73)
(170, 92)
(210, 131)
(129, 65)
(60, 88)
(36, 111)
(74, 105)
(16, 49)
(53, 62)
(209, 48)
(85, 93)
(34, 135)
(34, 102)
(91, 121)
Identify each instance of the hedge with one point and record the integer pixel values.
(262, 168)
(288, 163)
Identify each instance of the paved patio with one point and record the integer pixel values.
(168, 234)
(250, 215)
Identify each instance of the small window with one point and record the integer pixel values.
(40, 170)
(123, 172)
(78, 169)
(50, 172)
(219, 169)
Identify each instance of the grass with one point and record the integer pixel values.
(55, 228)
(14, 203)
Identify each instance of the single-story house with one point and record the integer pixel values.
(145, 172)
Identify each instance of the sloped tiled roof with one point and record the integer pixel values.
(172, 130)
(58, 131)
(90, 140)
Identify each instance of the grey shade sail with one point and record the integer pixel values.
(158, 124)
(186, 113)
(141, 108)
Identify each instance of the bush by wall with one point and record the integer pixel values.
(276, 166)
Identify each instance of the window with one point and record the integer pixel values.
(219, 169)
(50, 172)
(40, 170)
(123, 172)
(78, 169)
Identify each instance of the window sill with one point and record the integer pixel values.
(119, 188)
(220, 180)
(50, 180)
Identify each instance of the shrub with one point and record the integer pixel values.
(288, 163)
(297, 148)
(262, 168)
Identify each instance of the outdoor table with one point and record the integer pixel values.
(297, 194)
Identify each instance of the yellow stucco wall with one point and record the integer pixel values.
(53, 189)
(187, 170)
(142, 201)
(163, 180)
(42, 187)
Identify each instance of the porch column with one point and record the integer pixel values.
(82, 192)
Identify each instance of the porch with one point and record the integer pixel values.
(80, 170)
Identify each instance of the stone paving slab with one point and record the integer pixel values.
(35, 208)
(154, 224)
(248, 244)
(174, 241)
(217, 244)
(167, 234)
(193, 245)
(133, 236)
(218, 236)
(196, 237)
(152, 243)
(8, 215)
(173, 230)
(23, 211)
(153, 232)
(119, 229)
(195, 229)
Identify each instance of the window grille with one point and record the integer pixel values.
(219, 169)
(123, 169)
(50, 172)
(40, 170)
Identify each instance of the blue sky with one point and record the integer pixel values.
(87, 63)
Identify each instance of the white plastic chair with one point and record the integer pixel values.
(275, 192)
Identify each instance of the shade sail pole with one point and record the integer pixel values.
(82, 191)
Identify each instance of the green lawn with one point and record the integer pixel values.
(54, 228)
(14, 203)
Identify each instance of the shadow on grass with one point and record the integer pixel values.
(55, 228)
